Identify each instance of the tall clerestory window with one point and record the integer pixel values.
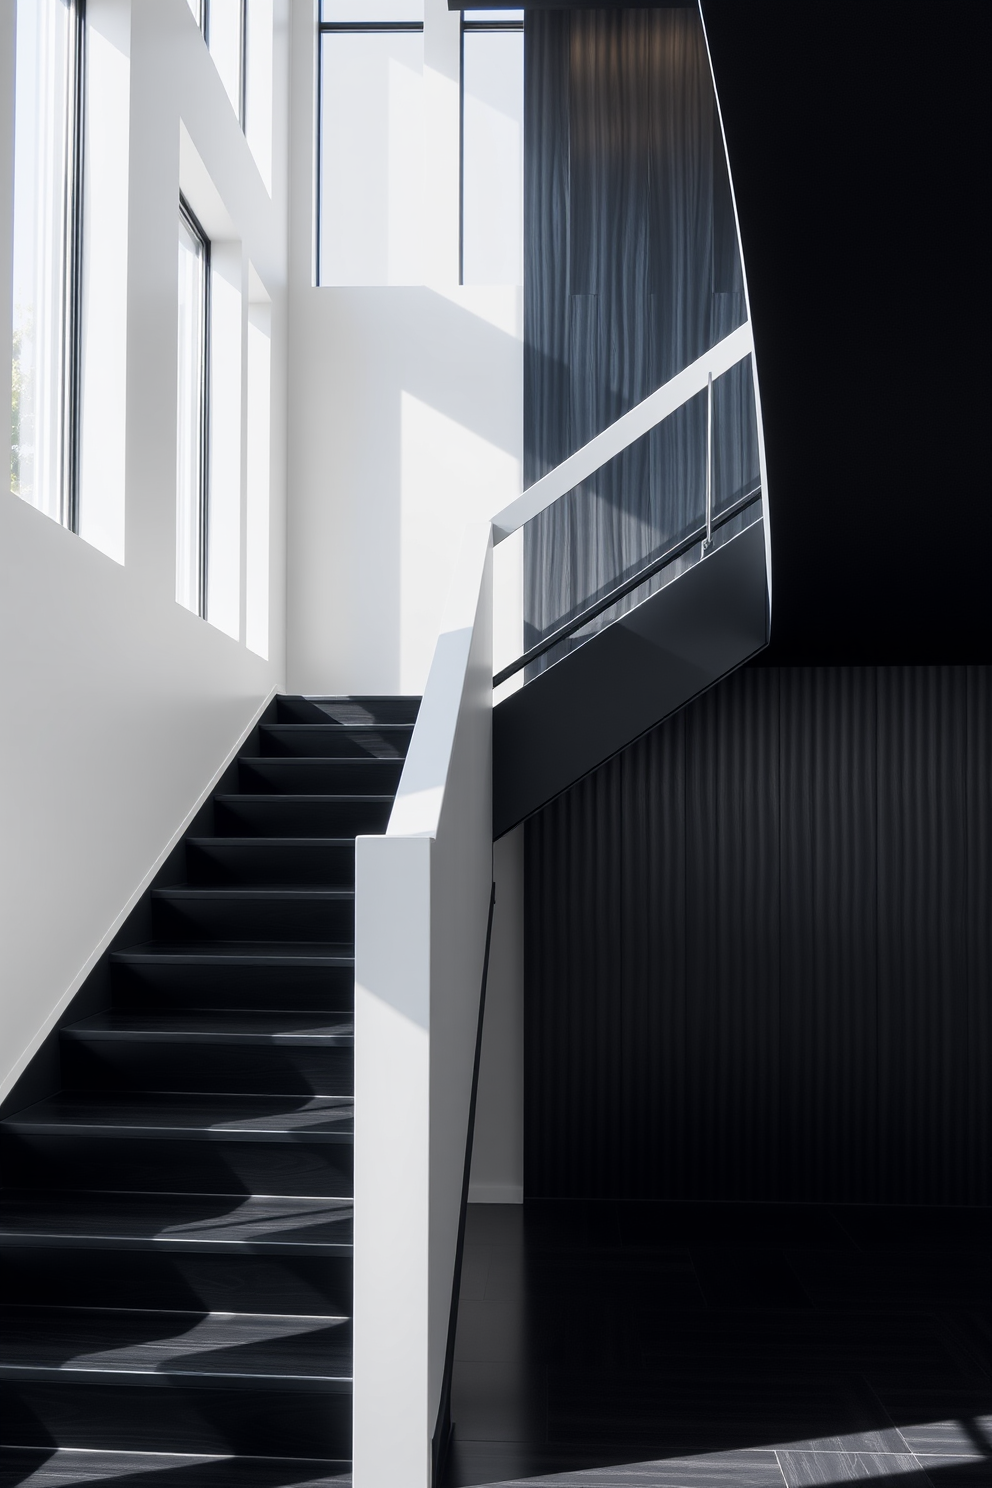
(370, 142)
(47, 251)
(492, 149)
(192, 425)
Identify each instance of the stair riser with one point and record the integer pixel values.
(359, 712)
(178, 985)
(328, 742)
(327, 921)
(116, 1064)
(315, 776)
(180, 1166)
(248, 816)
(58, 1276)
(176, 1418)
(232, 863)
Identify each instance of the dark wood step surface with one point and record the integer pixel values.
(203, 1223)
(210, 1349)
(215, 1027)
(188, 1117)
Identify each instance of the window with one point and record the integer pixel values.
(258, 467)
(46, 257)
(370, 142)
(192, 423)
(224, 27)
(492, 185)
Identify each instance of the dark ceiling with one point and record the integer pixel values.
(859, 149)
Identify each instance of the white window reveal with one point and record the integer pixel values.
(46, 255)
(193, 414)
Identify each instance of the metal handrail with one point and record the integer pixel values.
(630, 426)
(703, 533)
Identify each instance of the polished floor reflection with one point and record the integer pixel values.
(682, 1345)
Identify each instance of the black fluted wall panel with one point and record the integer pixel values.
(759, 958)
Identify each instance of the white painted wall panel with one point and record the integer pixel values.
(119, 705)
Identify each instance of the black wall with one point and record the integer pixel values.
(759, 949)
(858, 140)
(758, 957)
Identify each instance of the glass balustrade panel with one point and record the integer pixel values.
(642, 513)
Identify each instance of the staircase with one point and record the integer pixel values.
(176, 1221)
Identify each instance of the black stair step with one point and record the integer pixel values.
(166, 1277)
(253, 913)
(289, 861)
(106, 1412)
(352, 712)
(203, 1350)
(184, 1223)
(162, 1116)
(250, 815)
(274, 1053)
(306, 977)
(384, 741)
(242, 954)
(308, 775)
(213, 1027)
(65, 1467)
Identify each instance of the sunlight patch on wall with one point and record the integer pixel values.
(449, 476)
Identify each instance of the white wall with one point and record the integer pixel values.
(120, 706)
(406, 415)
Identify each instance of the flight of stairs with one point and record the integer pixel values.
(175, 1224)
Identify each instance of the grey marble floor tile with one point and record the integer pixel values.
(747, 1469)
(957, 1472)
(882, 1440)
(499, 1401)
(805, 1469)
(964, 1436)
(475, 1270)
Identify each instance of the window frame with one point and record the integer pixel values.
(491, 23)
(70, 291)
(325, 28)
(194, 227)
(203, 22)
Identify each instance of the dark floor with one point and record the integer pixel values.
(603, 1344)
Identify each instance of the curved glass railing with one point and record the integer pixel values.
(672, 480)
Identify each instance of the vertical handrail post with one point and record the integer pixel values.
(709, 461)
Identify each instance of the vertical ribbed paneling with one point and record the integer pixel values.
(829, 1049)
(759, 948)
(978, 809)
(922, 960)
(732, 944)
(652, 912)
(573, 975)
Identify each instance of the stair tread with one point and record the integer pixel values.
(272, 952)
(253, 797)
(229, 1347)
(344, 728)
(313, 1118)
(298, 761)
(305, 842)
(68, 1467)
(253, 891)
(218, 1026)
(178, 1222)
